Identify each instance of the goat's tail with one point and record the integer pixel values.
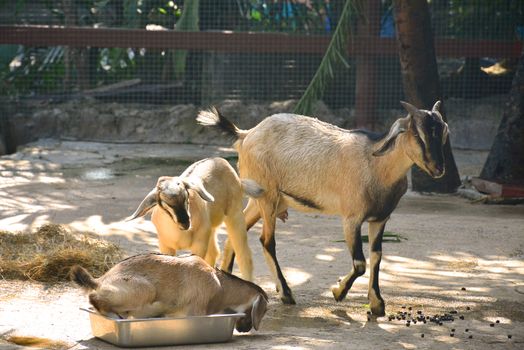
(214, 118)
(252, 188)
(83, 278)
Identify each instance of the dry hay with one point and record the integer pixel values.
(36, 342)
(48, 254)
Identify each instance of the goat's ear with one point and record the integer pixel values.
(258, 311)
(398, 127)
(198, 188)
(147, 204)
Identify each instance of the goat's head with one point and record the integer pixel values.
(254, 314)
(426, 133)
(171, 194)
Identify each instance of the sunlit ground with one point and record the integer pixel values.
(453, 255)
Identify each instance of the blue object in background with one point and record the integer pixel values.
(387, 24)
(520, 32)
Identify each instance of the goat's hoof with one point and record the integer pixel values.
(338, 292)
(378, 309)
(288, 300)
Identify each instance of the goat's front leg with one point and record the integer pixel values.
(268, 210)
(237, 235)
(375, 233)
(165, 249)
(354, 243)
(212, 251)
(251, 216)
(201, 243)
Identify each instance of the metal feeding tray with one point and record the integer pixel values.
(163, 331)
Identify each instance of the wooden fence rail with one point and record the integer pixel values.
(247, 42)
(364, 46)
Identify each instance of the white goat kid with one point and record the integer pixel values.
(186, 210)
(155, 285)
(314, 166)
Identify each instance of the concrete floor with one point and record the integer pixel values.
(447, 244)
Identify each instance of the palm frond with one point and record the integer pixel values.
(334, 56)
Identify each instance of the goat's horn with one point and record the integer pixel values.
(436, 106)
(412, 110)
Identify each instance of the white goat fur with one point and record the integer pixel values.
(311, 165)
(218, 179)
(154, 285)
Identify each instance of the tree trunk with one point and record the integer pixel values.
(505, 161)
(421, 82)
(367, 66)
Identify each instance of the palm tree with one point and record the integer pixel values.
(334, 55)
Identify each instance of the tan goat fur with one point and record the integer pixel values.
(155, 285)
(218, 180)
(311, 165)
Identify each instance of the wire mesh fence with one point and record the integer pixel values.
(269, 73)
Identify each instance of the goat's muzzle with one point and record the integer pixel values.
(438, 172)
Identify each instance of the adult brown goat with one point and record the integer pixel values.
(311, 165)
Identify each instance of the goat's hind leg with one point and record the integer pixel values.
(354, 243)
(252, 215)
(375, 233)
(268, 210)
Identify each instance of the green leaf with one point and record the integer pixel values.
(331, 58)
(386, 237)
(256, 15)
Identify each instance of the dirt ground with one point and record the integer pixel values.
(452, 255)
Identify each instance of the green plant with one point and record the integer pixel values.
(386, 237)
(312, 17)
(333, 57)
(479, 19)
